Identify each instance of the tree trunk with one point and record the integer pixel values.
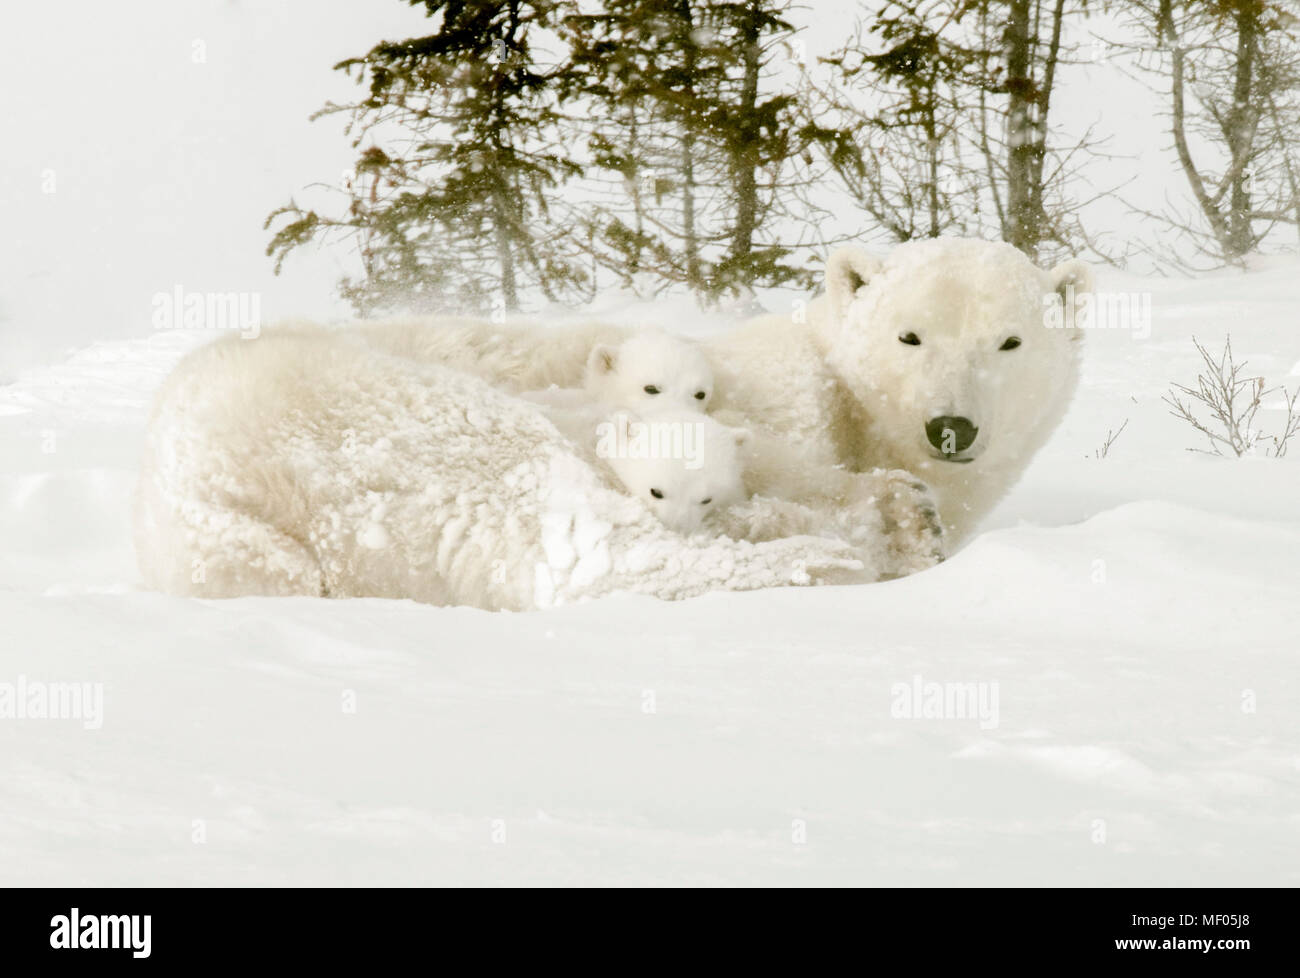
(1178, 124)
(1043, 108)
(1241, 130)
(502, 217)
(637, 189)
(745, 164)
(1022, 139)
(932, 158)
(505, 256)
(690, 243)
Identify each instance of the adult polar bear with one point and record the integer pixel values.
(304, 463)
(939, 360)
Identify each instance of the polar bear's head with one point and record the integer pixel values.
(953, 348)
(651, 371)
(681, 465)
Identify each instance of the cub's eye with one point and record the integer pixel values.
(705, 501)
(911, 339)
(700, 395)
(1011, 343)
(651, 389)
(657, 493)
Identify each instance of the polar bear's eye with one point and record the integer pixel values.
(706, 500)
(911, 339)
(1011, 343)
(657, 493)
(700, 395)
(651, 389)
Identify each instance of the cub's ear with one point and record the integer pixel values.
(743, 436)
(602, 360)
(847, 270)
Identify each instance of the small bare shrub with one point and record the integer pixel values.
(1111, 438)
(1228, 400)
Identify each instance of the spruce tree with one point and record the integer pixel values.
(459, 150)
(686, 116)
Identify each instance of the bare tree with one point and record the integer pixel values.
(1232, 69)
(945, 107)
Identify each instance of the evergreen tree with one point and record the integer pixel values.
(685, 119)
(460, 147)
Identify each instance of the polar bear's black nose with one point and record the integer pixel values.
(951, 435)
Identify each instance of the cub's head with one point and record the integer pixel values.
(954, 348)
(651, 371)
(682, 466)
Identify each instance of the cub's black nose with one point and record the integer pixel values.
(951, 435)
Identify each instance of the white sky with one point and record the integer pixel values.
(164, 168)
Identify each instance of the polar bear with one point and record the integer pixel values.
(684, 488)
(641, 412)
(650, 371)
(683, 465)
(940, 360)
(305, 463)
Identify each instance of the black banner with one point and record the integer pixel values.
(145, 928)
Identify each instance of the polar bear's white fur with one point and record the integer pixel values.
(305, 463)
(650, 371)
(942, 332)
(641, 409)
(683, 465)
(833, 384)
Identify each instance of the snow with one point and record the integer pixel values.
(1137, 614)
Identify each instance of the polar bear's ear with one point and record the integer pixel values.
(743, 436)
(847, 270)
(1071, 276)
(1071, 279)
(602, 360)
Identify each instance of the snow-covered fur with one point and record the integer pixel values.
(840, 385)
(888, 516)
(305, 463)
(683, 465)
(515, 356)
(650, 371)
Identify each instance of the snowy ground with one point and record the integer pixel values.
(1138, 614)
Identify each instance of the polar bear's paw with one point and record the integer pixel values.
(914, 535)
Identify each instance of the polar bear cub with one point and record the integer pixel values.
(680, 464)
(650, 371)
(642, 404)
